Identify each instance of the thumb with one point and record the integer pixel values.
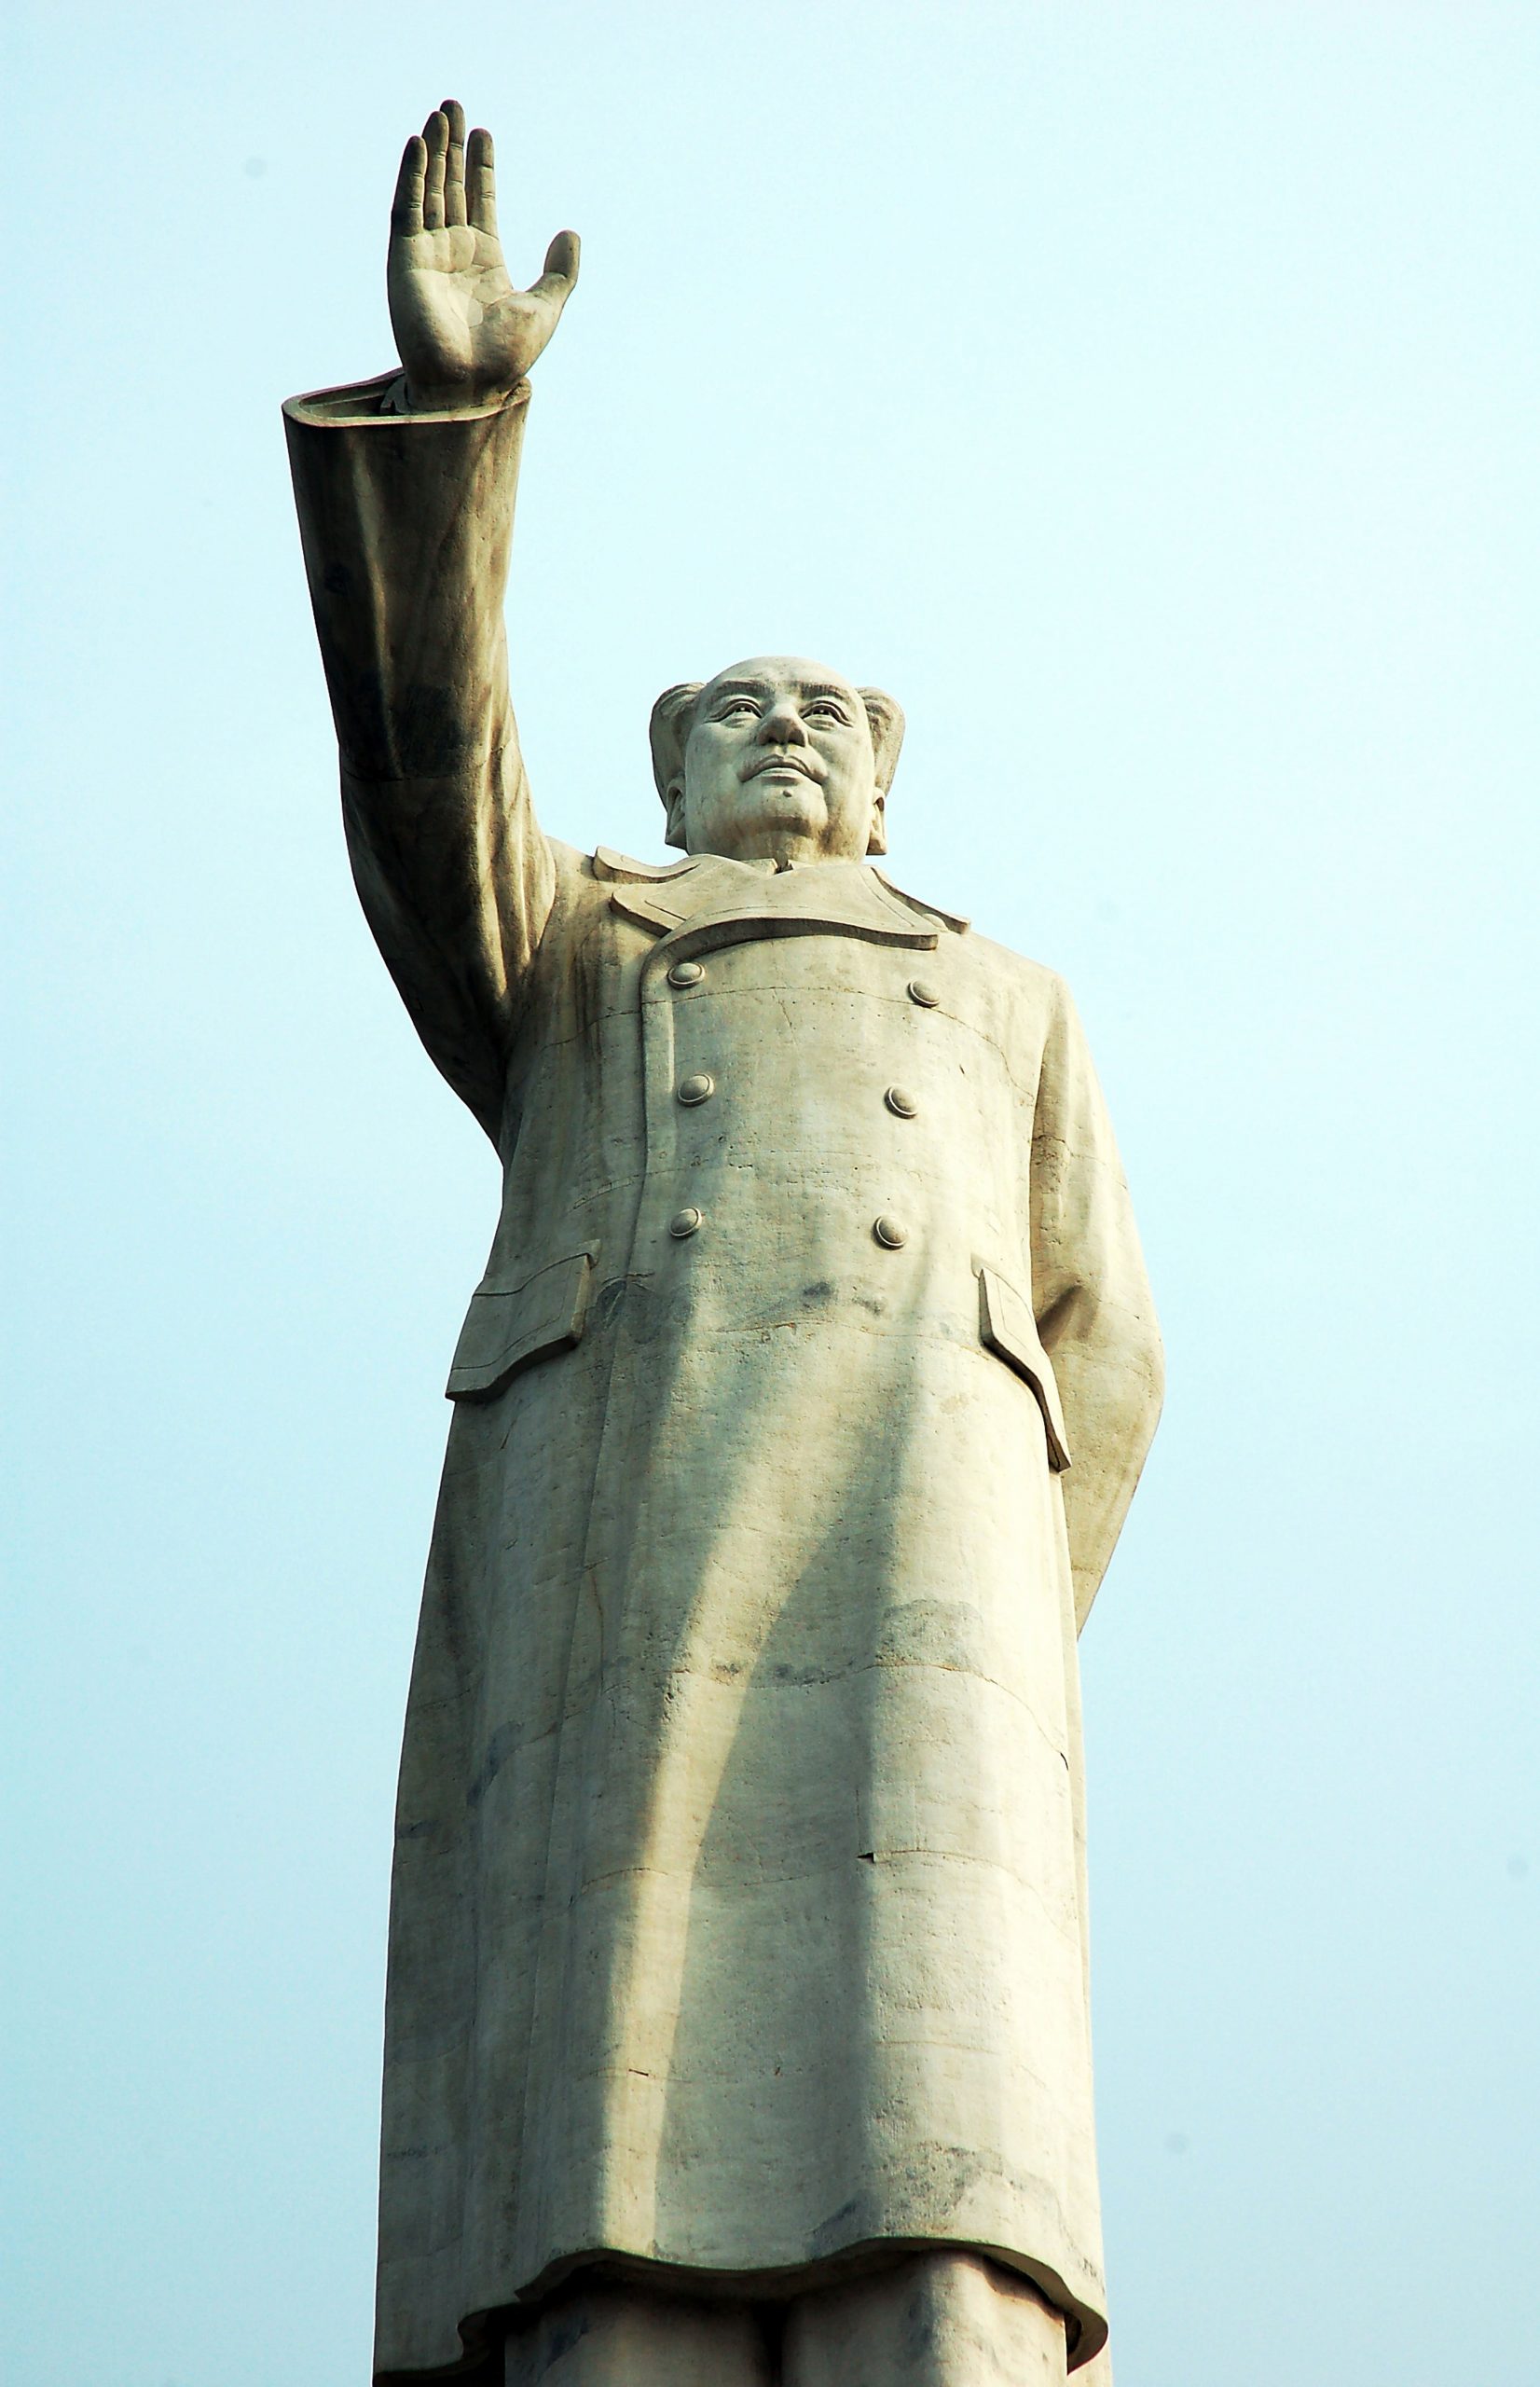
(561, 269)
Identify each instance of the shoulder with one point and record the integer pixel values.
(594, 873)
(1031, 982)
(586, 885)
(997, 960)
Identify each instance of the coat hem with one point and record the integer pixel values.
(480, 2333)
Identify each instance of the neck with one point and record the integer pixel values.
(787, 848)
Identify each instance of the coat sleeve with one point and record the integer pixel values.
(406, 524)
(1092, 1301)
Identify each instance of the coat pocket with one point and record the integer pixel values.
(507, 1331)
(1007, 1327)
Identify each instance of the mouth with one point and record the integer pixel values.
(783, 761)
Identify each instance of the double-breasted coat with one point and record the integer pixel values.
(739, 1918)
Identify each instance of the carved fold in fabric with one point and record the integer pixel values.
(505, 1331)
(1008, 1327)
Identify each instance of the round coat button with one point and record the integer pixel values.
(686, 973)
(698, 1088)
(921, 991)
(891, 1233)
(684, 1223)
(900, 1103)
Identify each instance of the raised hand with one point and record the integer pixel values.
(465, 334)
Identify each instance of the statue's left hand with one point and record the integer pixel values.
(465, 334)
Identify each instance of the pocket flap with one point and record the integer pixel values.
(1008, 1327)
(506, 1330)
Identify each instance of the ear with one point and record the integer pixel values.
(885, 717)
(667, 733)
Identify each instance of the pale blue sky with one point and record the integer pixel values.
(1146, 395)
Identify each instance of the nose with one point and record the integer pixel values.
(783, 724)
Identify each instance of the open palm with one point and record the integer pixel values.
(465, 334)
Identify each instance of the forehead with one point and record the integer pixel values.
(774, 675)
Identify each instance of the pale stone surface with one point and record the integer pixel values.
(937, 2321)
(738, 1908)
(927, 2321)
(604, 2334)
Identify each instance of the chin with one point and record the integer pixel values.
(765, 826)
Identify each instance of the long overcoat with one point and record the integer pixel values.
(739, 1918)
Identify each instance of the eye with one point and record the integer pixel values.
(736, 708)
(826, 711)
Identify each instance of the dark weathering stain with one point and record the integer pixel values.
(428, 731)
(608, 1299)
(504, 1741)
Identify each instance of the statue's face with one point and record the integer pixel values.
(779, 765)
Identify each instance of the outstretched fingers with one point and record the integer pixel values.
(454, 162)
(435, 134)
(448, 179)
(407, 206)
(481, 182)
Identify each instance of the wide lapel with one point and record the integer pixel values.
(655, 896)
(708, 901)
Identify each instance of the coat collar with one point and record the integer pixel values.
(718, 901)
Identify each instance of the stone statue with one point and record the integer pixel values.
(737, 2024)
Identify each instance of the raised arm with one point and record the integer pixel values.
(1093, 1300)
(405, 491)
